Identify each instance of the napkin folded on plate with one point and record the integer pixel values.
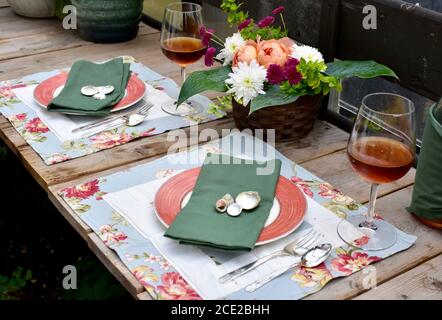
(199, 223)
(70, 100)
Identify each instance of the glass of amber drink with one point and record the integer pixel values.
(181, 43)
(381, 150)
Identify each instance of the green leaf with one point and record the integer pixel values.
(28, 275)
(17, 272)
(21, 283)
(200, 81)
(361, 69)
(273, 97)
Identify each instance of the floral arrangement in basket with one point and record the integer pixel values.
(262, 67)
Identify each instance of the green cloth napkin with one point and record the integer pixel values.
(199, 223)
(83, 73)
(426, 201)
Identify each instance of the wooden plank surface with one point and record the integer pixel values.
(4, 123)
(79, 225)
(32, 45)
(144, 296)
(11, 137)
(14, 26)
(144, 48)
(421, 283)
(114, 264)
(428, 245)
(331, 139)
(47, 41)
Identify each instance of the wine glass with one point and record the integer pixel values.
(181, 43)
(381, 150)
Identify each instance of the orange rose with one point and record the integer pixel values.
(246, 53)
(274, 51)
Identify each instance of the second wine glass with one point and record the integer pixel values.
(381, 150)
(181, 43)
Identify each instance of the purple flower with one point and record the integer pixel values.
(244, 24)
(278, 10)
(202, 31)
(208, 58)
(291, 62)
(206, 35)
(266, 21)
(290, 72)
(275, 74)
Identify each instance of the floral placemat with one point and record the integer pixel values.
(27, 123)
(155, 273)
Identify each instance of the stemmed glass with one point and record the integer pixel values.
(381, 150)
(181, 43)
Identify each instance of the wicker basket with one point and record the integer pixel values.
(290, 121)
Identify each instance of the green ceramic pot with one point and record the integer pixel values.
(108, 21)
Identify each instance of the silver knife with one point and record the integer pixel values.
(107, 120)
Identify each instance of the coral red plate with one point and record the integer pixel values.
(287, 213)
(50, 88)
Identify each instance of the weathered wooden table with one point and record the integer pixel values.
(28, 46)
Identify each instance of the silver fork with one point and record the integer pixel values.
(142, 111)
(266, 279)
(294, 248)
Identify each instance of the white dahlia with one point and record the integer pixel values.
(309, 54)
(246, 81)
(230, 46)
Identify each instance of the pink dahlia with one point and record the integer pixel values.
(290, 71)
(266, 21)
(206, 35)
(278, 10)
(244, 24)
(208, 58)
(275, 74)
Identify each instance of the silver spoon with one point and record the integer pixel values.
(295, 248)
(128, 120)
(310, 259)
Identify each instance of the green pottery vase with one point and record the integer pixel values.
(108, 21)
